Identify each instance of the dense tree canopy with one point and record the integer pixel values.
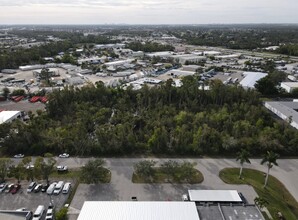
(96, 120)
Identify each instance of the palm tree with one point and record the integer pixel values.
(270, 158)
(242, 156)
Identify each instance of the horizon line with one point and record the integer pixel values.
(145, 24)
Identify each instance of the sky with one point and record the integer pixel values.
(147, 11)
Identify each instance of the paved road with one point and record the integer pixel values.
(286, 172)
(122, 189)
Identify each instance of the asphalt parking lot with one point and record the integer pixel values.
(23, 105)
(30, 201)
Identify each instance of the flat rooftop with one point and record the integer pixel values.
(214, 196)
(130, 210)
(285, 110)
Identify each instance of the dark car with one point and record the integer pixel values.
(15, 188)
(44, 187)
(242, 198)
(8, 188)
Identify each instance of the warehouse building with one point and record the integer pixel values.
(285, 110)
(15, 215)
(139, 210)
(251, 78)
(9, 116)
(167, 210)
(289, 86)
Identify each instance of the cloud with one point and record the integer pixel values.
(148, 11)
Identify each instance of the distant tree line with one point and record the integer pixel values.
(288, 49)
(149, 47)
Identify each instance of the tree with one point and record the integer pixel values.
(62, 214)
(45, 166)
(29, 170)
(145, 168)
(261, 202)
(4, 167)
(6, 92)
(266, 86)
(242, 157)
(45, 75)
(17, 171)
(94, 172)
(170, 168)
(270, 158)
(187, 170)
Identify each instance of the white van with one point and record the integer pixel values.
(58, 187)
(51, 188)
(66, 188)
(38, 213)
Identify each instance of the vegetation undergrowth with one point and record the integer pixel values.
(161, 177)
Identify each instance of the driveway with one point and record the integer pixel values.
(122, 189)
(122, 168)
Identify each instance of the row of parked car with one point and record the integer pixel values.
(9, 188)
(54, 188)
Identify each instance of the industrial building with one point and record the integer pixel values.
(184, 58)
(251, 78)
(139, 210)
(285, 110)
(166, 210)
(15, 215)
(9, 116)
(289, 86)
(180, 73)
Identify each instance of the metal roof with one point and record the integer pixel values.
(8, 115)
(251, 78)
(285, 110)
(130, 210)
(214, 196)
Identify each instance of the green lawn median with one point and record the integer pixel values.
(278, 197)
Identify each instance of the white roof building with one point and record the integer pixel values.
(214, 196)
(230, 56)
(139, 210)
(289, 86)
(8, 116)
(251, 78)
(285, 110)
(163, 54)
(177, 73)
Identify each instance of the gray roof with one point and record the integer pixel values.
(285, 110)
(251, 78)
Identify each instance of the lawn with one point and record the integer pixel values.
(279, 198)
(161, 177)
(76, 173)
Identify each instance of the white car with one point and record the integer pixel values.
(19, 156)
(62, 168)
(49, 215)
(51, 188)
(30, 166)
(64, 155)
